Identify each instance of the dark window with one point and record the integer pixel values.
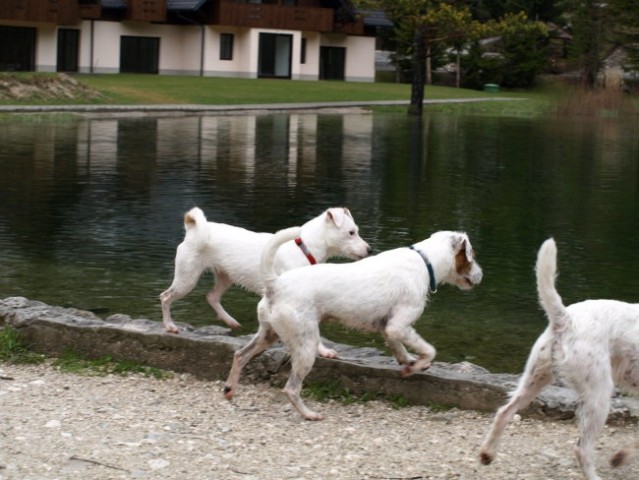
(17, 49)
(274, 57)
(303, 51)
(226, 46)
(332, 63)
(139, 54)
(68, 45)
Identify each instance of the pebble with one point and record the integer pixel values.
(74, 427)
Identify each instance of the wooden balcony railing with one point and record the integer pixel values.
(60, 12)
(146, 10)
(273, 16)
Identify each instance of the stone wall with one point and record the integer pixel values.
(207, 353)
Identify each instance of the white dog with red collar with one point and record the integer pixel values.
(233, 254)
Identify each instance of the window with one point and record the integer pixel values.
(17, 48)
(139, 54)
(303, 52)
(226, 46)
(274, 55)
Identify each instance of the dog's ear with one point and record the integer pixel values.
(461, 242)
(336, 215)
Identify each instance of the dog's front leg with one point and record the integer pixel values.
(400, 334)
(399, 351)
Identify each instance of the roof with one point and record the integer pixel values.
(191, 5)
(114, 4)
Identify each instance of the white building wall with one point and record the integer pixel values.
(310, 69)
(181, 49)
(239, 65)
(360, 59)
(46, 59)
(360, 55)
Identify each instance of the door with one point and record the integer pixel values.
(68, 46)
(274, 57)
(332, 63)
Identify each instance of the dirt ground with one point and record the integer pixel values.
(56, 425)
(58, 86)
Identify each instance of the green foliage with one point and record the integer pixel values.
(73, 362)
(518, 55)
(589, 26)
(322, 391)
(626, 29)
(13, 348)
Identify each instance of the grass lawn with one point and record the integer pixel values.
(132, 89)
(168, 89)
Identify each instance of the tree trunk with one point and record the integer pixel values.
(419, 68)
(429, 72)
(458, 68)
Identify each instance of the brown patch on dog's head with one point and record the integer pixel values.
(189, 220)
(462, 265)
(465, 262)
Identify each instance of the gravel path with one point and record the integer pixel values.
(57, 425)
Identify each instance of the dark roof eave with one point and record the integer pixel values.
(184, 5)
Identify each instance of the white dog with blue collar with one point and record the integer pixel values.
(384, 293)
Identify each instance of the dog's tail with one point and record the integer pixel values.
(546, 274)
(268, 254)
(194, 222)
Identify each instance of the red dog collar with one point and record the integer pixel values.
(305, 251)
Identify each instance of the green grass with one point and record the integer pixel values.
(13, 348)
(327, 391)
(73, 362)
(131, 89)
(551, 96)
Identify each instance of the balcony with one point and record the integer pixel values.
(60, 12)
(285, 17)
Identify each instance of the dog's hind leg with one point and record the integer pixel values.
(214, 297)
(627, 373)
(595, 391)
(302, 360)
(537, 374)
(264, 338)
(186, 276)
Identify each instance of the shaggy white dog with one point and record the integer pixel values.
(591, 346)
(385, 293)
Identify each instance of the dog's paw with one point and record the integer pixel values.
(618, 459)
(485, 458)
(414, 367)
(228, 392)
(313, 416)
(172, 329)
(232, 323)
(326, 352)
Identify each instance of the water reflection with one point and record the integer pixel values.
(90, 210)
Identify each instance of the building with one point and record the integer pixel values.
(292, 39)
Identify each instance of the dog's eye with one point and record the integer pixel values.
(352, 233)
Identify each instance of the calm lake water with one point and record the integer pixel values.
(91, 209)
